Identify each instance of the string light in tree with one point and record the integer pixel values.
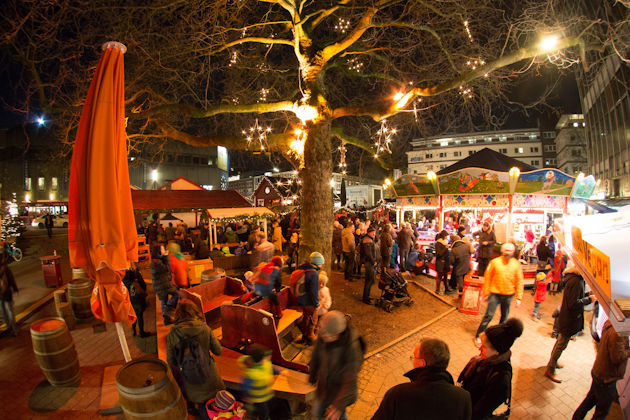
(466, 92)
(470, 37)
(383, 140)
(263, 95)
(473, 64)
(257, 133)
(342, 25)
(355, 64)
(342, 158)
(233, 58)
(296, 147)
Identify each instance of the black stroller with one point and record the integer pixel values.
(394, 290)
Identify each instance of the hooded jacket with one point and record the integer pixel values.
(612, 356)
(311, 285)
(460, 257)
(442, 263)
(201, 332)
(161, 277)
(574, 299)
(431, 395)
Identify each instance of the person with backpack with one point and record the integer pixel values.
(305, 287)
(137, 288)
(7, 287)
(188, 347)
(488, 377)
(267, 281)
(161, 278)
(334, 367)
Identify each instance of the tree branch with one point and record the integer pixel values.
(194, 112)
(385, 162)
(260, 40)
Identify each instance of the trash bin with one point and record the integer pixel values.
(471, 296)
(51, 269)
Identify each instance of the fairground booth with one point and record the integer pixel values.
(489, 186)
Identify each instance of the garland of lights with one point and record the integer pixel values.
(257, 133)
(12, 224)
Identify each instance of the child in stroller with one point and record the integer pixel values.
(418, 260)
(394, 290)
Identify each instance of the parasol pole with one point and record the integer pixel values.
(123, 341)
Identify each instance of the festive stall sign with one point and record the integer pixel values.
(538, 201)
(474, 181)
(584, 187)
(425, 201)
(596, 261)
(478, 200)
(412, 185)
(545, 181)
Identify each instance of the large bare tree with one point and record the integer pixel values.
(201, 72)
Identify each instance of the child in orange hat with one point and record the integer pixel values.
(542, 280)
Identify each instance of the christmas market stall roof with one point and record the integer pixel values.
(488, 159)
(183, 201)
(239, 213)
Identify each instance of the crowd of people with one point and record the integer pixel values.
(365, 249)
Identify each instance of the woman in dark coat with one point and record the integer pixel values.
(137, 297)
(161, 276)
(544, 255)
(189, 324)
(488, 377)
(442, 264)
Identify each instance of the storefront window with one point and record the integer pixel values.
(41, 183)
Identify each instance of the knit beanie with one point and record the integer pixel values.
(257, 352)
(277, 261)
(502, 336)
(333, 323)
(224, 401)
(316, 258)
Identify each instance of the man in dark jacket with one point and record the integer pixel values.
(309, 301)
(49, 223)
(161, 277)
(369, 259)
(431, 394)
(137, 297)
(335, 365)
(7, 287)
(386, 245)
(609, 367)
(405, 239)
(486, 239)
(460, 260)
(571, 318)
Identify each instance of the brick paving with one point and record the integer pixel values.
(534, 396)
(26, 395)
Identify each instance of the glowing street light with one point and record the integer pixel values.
(514, 172)
(388, 182)
(548, 43)
(154, 175)
(276, 169)
(41, 120)
(431, 176)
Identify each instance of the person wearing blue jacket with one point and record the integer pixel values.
(309, 301)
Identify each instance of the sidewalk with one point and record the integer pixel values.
(533, 395)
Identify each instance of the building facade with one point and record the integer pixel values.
(571, 144)
(532, 146)
(206, 166)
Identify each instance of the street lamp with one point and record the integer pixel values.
(388, 182)
(431, 176)
(154, 175)
(41, 120)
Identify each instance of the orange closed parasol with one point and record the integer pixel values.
(101, 231)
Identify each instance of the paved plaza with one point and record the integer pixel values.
(26, 395)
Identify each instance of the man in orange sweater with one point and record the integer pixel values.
(503, 282)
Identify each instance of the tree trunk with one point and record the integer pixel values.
(316, 215)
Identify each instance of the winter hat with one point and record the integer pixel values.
(371, 229)
(224, 401)
(316, 258)
(277, 261)
(502, 336)
(540, 276)
(333, 323)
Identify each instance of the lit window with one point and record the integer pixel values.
(41, 183)
(28, 184)
(471, 141)
(54, 183)
(518, 150)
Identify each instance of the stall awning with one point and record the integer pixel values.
(240, 213)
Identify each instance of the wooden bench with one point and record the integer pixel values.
(215, 293)
(289, 316)
(289, 384)
(229, 245)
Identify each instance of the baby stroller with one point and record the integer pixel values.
(394, 290)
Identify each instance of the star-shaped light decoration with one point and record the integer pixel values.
(383, 139)
(257, 133)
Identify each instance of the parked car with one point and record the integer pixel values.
(59, 220)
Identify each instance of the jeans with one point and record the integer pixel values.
(482, 264)
(404, 254)
(348, 259)
(319, 411)
(536, 307)
(370, 277)
(561, 343)
(600, 396)
(493, 301)
(6, 306)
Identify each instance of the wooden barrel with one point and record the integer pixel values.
(79, 293)
(212, 275)
(54, 351)
(64, 310)
(79, 273)
(146, 389)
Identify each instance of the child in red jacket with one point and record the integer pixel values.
(542, 280)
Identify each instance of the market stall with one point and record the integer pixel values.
(237, 214)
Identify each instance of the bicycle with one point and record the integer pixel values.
(14, 251)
